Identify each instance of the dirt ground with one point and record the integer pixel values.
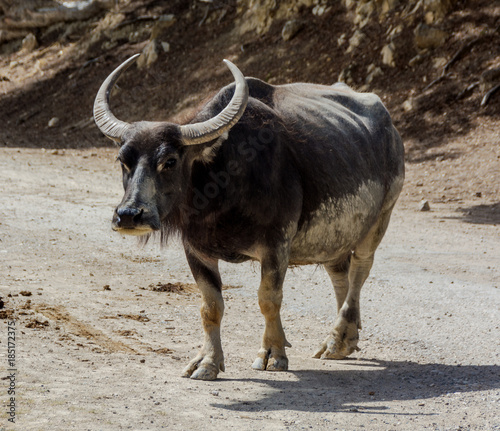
(104, 328)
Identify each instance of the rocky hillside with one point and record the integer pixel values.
(435, 63)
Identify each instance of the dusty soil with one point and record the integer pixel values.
(104, 328)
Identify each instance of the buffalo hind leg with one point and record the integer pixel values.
(210, 359)
(272, 355)
(348, 279)
(339, 274)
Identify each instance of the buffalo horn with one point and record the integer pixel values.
(192, 134)
(104, 118)
(199, 133)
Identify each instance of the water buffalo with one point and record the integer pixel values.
(285, 175)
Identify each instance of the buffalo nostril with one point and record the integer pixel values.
(137, 217)
(128, 217)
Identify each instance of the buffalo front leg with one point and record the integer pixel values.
(272, 355)
(210, 359)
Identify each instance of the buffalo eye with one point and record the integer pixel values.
(124, 166)
(168, 164)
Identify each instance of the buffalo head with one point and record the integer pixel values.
(156, 157)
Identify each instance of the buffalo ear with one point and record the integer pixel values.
(207, 152)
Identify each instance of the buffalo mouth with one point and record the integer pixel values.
(132, 221)
(133, 231)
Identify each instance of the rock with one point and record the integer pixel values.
(53, 122)
(341, 40)
(29, 43)
(435, 10)
(427, 37)
(439, 62)
(320, 9)
(408, 105)
(388, 54)
(424, 205)
(372, 73)
(165, 46)
(149, 54)
(356, 39)
(346, 74)
(386, 5)
(290, 29)
(258, 15)
(489, 79)
(363, 13)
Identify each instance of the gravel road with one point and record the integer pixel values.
(104, 328)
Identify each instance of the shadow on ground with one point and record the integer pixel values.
(481, 214)
(378, 381)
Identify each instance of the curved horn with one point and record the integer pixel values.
(211, 129)
(108, 124)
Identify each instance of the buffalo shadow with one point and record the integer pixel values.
(349, 390)
(481, 214)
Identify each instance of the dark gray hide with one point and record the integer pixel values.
(308, 175)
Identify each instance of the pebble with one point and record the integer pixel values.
(53, 122)
(424, 205)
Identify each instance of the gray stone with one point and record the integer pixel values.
(408, 105)
(53, 122)
(373, 72)
(356, 39)
(165, 46)
(29, 43)
(346, 74)
(363, 13)
(149, 54)
(320, 9)
(290, 29)
(388, 55)
(424, 205)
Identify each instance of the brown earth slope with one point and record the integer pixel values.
(434, 93)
